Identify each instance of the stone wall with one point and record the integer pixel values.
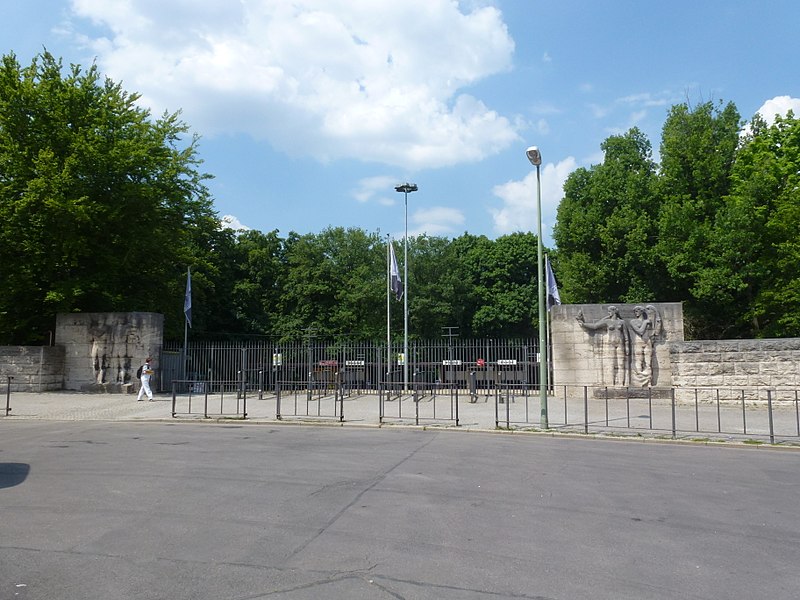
(736, 363)
(103, 350)
(33, 368)
(586, 357)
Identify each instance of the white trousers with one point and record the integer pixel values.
(145, 389)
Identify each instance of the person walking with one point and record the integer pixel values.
(147, 371)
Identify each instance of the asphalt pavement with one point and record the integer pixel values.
(107, 499)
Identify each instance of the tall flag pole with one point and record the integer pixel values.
(388, 306)
(394, 285)
(187, 313)
(553, 298)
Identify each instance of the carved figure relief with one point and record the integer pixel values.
(631, 343)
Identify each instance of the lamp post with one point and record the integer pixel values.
(535, 157)
(406, 189)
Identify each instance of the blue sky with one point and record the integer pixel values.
(311, 111)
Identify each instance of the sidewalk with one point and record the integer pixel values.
(632, 419)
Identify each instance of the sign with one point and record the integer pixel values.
(480, 362)
(507, 361)
(401, 358)
(277, 360)
(354, 363)
(329, 363)
(451, 363)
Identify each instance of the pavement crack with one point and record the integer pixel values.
(373, 482)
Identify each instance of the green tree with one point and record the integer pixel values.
(607, 226)
(335, 283)
(102, 207)
(698, 149)
(754, 247)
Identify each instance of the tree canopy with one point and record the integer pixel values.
(101, 205)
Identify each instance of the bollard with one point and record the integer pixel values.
(8, 394)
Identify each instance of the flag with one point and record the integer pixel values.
(394, 274)
(553, 297)
(187, 300)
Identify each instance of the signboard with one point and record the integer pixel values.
(507, 361)
(354, 363)
(480, 362)
(454, 363)
(401, 358)
(277, 360)
(329, 363)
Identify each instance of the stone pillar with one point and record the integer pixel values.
(103, 350)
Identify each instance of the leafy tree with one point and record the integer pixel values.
(101, 207)
(335, 283)
(607, 226)
(751, 270)
(698, 149)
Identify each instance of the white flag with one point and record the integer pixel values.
(394, 274)
(187, 299)
(553, 297)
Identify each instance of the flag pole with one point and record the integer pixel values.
(187, 321)
(547, 341)
(388, 307)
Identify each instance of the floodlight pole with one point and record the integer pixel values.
(535, 158)
(406, 188)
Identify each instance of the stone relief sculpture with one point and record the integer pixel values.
(631, 343)
(617, 340)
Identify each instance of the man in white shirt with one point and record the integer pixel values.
(147, 371)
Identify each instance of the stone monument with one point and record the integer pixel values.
(614, 345)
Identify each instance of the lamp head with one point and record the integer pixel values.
(406, 188)
(534, 156)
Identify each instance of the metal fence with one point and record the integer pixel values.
(318, 365)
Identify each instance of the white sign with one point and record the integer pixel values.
(354, 363)
(455, 363)
(507, 361)
(401, 358)
(277, 360)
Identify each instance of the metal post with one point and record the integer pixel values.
(542, 308)
(769, 410)
(8, 394)
(672, 394)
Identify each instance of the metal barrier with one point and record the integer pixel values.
(772, 413)
(232, 397)
(430, 404)
(292, 396)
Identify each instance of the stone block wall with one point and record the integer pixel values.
(736, 363)
(33, 368)
(103, 350)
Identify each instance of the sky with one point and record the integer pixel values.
(310, 112)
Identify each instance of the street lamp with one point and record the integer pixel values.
(406, 189)
(535, 157)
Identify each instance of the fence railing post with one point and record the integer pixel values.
(769, 411)
(674, 424)
(586, 409)
(8, 394)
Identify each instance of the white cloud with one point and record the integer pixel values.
(373, 188)
(232, 222)
(779, 105)
(436, 220)
(518, 212)
(326, 78)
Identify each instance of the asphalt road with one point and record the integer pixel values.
(120, 510)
